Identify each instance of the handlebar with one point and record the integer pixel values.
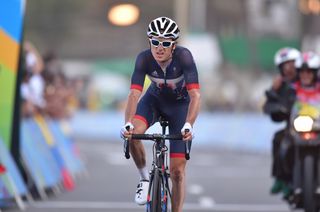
(156, 137)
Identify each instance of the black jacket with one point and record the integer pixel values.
(279, 103)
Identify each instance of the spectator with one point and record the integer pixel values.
(34, 67)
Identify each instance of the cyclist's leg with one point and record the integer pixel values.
(177, 116)
(144, 118)
(136, 146)
(177, 173)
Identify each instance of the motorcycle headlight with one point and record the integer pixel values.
(303, 124)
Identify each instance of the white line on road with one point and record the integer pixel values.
(206, 202)
(195, 189)
(187, 206)
(116, 159)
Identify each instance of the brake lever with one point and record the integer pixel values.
(126, 146)
(187, 153)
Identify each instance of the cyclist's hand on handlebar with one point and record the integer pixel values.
(187, 132)
(126, 130)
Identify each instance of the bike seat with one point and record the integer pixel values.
(163, 121)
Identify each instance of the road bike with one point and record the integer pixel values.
(159, 193)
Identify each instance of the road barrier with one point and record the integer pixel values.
(12, 185)
(49, 159)
(235, 131)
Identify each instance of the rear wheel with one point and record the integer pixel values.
(309, 200)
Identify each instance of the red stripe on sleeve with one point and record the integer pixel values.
(137, 87)
(142, 119)
(193, 86)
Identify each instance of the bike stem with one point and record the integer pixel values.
(164, 125)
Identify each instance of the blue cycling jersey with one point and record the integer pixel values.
(170, 84)
(167, 95)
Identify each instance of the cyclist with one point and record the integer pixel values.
(279, 101)
(173, 93)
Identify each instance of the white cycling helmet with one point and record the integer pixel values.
(285, 54)
(163, 27)
(309, 60)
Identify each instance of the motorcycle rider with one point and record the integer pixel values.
(278, 104)
(307, 89)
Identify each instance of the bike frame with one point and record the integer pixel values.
(159, 190)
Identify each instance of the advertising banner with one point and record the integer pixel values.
(11, 21)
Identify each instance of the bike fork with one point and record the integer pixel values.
(150, 186)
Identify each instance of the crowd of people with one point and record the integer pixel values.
(45, 89)
(298, 80)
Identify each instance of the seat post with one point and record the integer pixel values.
(164, 123)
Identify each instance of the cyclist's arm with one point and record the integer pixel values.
(194, 105)
(132, 103)
(192, 84)
(137, 81)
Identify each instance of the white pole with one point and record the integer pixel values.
(17, 197)
(198, 10)
(181, 8)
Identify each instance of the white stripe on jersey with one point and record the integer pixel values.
(171, 82)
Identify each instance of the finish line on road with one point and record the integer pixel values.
(187, 206)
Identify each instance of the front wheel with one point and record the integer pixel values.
(156, 193)
(309, 200)
(159, 194)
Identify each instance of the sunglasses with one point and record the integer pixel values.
(165, 44)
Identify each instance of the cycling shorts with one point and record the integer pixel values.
(150, 108)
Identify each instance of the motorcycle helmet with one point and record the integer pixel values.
(284, 55)
(163, 27)
(308, 60)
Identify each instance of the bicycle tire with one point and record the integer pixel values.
(165, 197)
(309, 200)
(156, 193)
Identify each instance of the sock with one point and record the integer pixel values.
(144, 174)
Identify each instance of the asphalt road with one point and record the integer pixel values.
(217, 180)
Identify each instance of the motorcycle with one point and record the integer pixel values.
(305, 139)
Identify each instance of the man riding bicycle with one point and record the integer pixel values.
(173, 94)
